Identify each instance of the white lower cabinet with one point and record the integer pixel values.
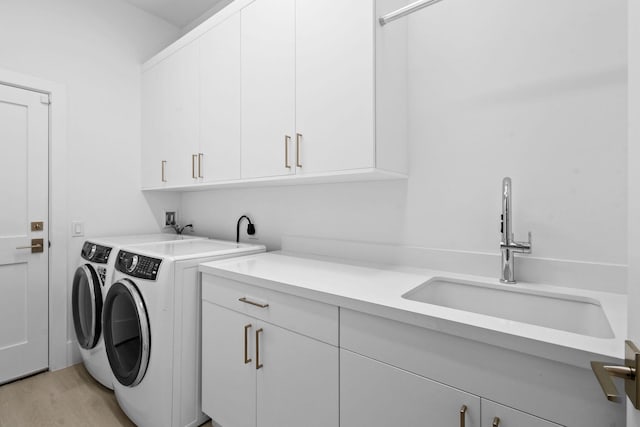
(228, 383)
(496, 415)
(271, 359)
(255, 373)
(374, 394)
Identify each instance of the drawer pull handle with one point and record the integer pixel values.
(164, 171)
(496, 422)
(246, 301)
(247, 359)
(193, 166)
(258, 364)
(463, 412)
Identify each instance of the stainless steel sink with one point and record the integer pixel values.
(569, 313)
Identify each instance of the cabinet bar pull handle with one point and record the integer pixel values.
(298, 140)
(193, 166)
(200, 156)
(258, 364)
(246, 301)
(287, 140)
(164, 171)
(463, 412)
(246, 339)
(496, 422)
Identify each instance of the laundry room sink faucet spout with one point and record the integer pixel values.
(508, 245)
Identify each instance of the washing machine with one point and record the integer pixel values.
(90, 280)
(151, 321)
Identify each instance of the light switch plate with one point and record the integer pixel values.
(77, 229)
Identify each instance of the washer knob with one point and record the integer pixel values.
(134, 264)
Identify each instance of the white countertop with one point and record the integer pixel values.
(378, 291)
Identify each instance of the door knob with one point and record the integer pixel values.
(604, 372)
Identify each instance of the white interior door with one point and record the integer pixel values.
(24, 134)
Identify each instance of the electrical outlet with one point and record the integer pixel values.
(170, 218)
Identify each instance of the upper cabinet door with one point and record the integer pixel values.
(154, 128)
(335, 84)
(268, 87)
(182, 103)
(219, 155)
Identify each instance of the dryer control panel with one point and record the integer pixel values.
(140, 266)
(95, 253)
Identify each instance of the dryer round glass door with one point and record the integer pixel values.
(126, 332)
(86, 306)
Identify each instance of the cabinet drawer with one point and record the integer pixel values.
(306, 317)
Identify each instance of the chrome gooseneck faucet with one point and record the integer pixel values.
(508, 246)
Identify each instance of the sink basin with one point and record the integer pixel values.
(569, 313)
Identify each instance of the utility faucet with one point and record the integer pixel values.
(508, 246)
(179, 230)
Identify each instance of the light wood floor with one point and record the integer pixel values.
(69, 397)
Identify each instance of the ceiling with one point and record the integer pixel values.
(178, 12)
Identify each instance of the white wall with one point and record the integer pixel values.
(533, 90)
(95, 48)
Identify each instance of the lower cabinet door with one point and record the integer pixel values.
(496, 415)
(298, 381)
(376, 394)
(228, 383)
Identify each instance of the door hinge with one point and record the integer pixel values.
(44, 99)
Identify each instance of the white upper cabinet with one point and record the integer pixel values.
(155, 142)
(268, 88)
(219, 153)
(170, 119)
(182, 121)
(270, 91)
(335, 85)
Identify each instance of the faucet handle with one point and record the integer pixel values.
(524, 247)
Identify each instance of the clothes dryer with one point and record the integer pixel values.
(152, 326)
(90, 282)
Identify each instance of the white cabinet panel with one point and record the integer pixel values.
(335, 84)
(170, 119)
(228, 383)
(154, 126)
(220, 102)
(376, 394)
(182, 120)
(495, 415)
(268, 86)
(298, 384)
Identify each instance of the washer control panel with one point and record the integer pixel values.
(95, 253)
(140, 266)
